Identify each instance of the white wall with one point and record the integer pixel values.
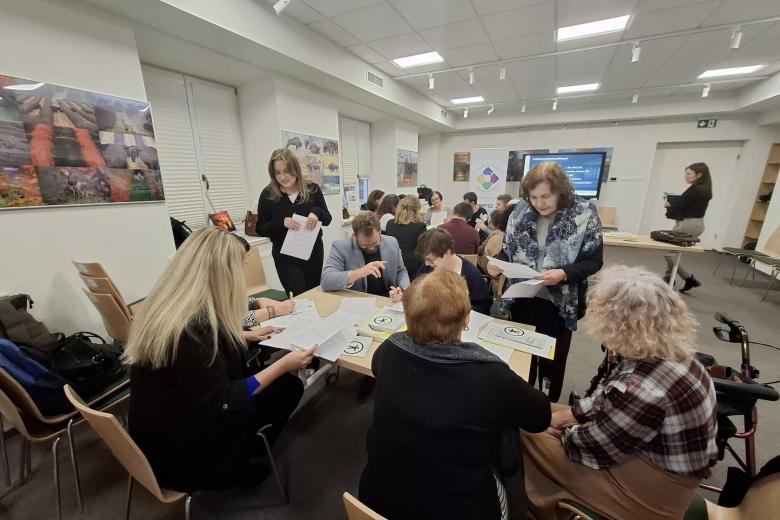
(634, 146)
(66, 44)
(386, 138)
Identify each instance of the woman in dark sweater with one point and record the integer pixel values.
(288, 194)
(406, 227)
(440, 409)
(194, 406)
(688, 211)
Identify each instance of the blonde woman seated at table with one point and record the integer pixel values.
(195, 407)
(640, 445)
(441, 407)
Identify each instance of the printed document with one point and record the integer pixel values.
(437, 219)
(517, 338)
(300, 243)
(525, 289)
(511, 270)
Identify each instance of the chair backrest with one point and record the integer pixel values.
(11, 414)
(114, 319)
(119, 442)
(253, 267)
(608, 216)
(772, 247)
(19, 396)
(471, 258)
(356, 510)
(104, 286)
(95, 270)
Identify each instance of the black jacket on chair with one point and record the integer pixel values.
(194, 418)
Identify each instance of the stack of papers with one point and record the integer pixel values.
(382, 324)
(477, 322)
(514, 337)
(620, 235)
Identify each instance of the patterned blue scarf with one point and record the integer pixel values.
(574, 233)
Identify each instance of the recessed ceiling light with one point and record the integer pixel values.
(418, 59)
(578, 88)
(474, 99)
(734, 71)
(584, 30)
(26, 86)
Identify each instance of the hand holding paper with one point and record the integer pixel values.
(300, 240)
(511, 270)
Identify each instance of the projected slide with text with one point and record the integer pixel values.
(584, 169)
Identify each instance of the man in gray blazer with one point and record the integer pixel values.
(368, 261)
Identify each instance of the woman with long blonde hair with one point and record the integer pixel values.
(194, 408)
(406, 227)
(289, 194)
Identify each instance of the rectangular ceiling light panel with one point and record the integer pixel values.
(418, 60)
(734, 71)
(584, 30)
(461, 101)
(578, 88)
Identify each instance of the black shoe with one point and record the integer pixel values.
(690, 283)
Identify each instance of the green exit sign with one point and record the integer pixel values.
(707, 123)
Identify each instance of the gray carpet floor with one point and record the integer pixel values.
(322, 451)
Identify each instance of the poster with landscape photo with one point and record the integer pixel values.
(461, 166)
(64, 146)
(406, 172)
(319, 159)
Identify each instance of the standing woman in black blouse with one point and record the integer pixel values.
(285, 195)
(688, 210)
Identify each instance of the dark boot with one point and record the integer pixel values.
(690, 283)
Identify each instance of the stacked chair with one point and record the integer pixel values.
(105, 296)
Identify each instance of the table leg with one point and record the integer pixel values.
(674, 269)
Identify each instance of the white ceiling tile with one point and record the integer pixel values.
(673, 75)
(366, 53)
(702, 50)
(670, 20)
(456, 35)
(423, 14)
(762, 48)
(300, 11)
(401, 45)
(374, 22)
(390, 68)
(524, 68)
(520, 22)
(574, 12)
(470, 55)
(598, 59)
(655, 5)
(491, 88)
(525, 45)
(332, 31)
(497, 6)
(625, 80)
(332, 8)
(740, 10)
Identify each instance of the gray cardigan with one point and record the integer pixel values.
(346, 256)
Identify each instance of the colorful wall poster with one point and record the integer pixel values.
(319, 158)
(488, 166)
(406, 172)
(461, 165)
(63, 146)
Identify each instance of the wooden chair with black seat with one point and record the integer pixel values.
(256, 283)
(356, 510)
(128, 454)
(39, 428)
(746, 255)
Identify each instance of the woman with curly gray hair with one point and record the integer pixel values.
(639, 446)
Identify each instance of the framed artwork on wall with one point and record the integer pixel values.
(406, 172)
(319, 158)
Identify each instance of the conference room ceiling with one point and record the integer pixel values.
(476, 32)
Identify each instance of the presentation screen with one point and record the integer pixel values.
(583, 168)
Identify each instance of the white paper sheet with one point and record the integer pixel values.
(503, 353)
(520, 339)
(289, 320)
(524, 289)
(396, 307)
(301, 242)
(302, 305)
(511, 270)
(358, 305)
(358, 346)
(334, 347)
(437, 219)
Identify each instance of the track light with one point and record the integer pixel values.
(471, 76)
(705, 91)
(736, 38)
(522, 108)
(492, 109)
(555, 104)
(636, 51)
(281, 5)
(431, 82)
(502, 73)
(466, 113)
(635, 99)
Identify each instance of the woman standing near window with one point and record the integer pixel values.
(688, 210)
(288, 194)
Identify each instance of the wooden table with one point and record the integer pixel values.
(645, 242)
(328, 302)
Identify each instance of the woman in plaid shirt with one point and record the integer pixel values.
(640, 445)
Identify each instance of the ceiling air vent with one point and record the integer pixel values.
(376, 80)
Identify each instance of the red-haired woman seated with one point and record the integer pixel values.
(440, 409)
(640, 445)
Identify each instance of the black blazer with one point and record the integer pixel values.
(691, 204)
(194, 420)
(407, 236)
(434, 441)
(271, 213)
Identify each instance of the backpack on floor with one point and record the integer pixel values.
(675, 237)
(43, 385)
(20, 327)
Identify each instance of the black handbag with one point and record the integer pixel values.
(92, 366)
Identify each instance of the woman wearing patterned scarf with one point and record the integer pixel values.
(559, 235)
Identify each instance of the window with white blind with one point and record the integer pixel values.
(198, 132)
(355, 138)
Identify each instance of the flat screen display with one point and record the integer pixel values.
(584, 169)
